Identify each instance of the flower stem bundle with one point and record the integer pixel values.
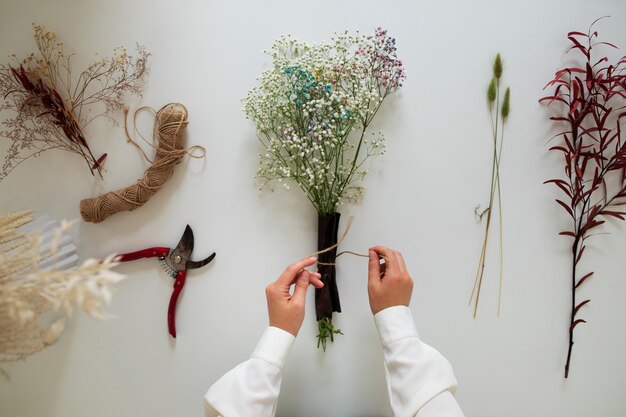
(499, 111)
(312, 111)
(589, 99)
(50, 107)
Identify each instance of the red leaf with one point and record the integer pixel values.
(576, 88)
(589, 76)
(593, 224)
(579, 172)
(576, 323)
(600, 76)
(586, 193)
(601, 60)
(579, 306)
(569, 71)
(566, 207)
(580, 254)
(22, 78)
(574, 33)
(590, 130)
(568, 143)
(98, 163)
(560, 83)
(618, 214)
(567, 233)
(583, 279)
(558, 148)
(603, 120)
(580, 47)
(556, 181)
(606, 43)
(561, 184)
(552, 98)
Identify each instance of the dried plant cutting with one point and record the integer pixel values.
(48, 107)
(499, 110)
(36, 300)
(312, 111)
(589, 100)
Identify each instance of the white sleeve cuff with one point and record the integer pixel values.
(395, 323)
(274, 346)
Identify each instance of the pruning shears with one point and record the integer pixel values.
(176, 263)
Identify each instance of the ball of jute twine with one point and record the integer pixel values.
(169, 129)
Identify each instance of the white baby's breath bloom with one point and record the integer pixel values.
(313, 107)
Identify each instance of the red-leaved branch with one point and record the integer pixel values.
(589, 99)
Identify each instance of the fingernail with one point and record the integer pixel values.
(372, 254)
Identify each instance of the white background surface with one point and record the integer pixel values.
(419, 199)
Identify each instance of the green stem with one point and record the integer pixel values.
(500, 216)
(494, 178)
(326, 330)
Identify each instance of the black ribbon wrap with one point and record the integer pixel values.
(327, 298)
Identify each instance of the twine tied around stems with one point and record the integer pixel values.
(168, 136)
(345, 233)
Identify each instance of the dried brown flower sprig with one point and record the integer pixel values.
(50, 108)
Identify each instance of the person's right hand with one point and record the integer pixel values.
(286, 309)
(390, 284)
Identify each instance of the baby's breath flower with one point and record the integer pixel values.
(313, 107)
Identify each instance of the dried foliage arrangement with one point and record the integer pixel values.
(312, 111)
(499, 109)
(48, 107)
(589, 99)
(36, 297)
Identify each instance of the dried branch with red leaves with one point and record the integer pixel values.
(48, 108)
(590, 100)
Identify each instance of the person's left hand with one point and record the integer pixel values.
(286, 310)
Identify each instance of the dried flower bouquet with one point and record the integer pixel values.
(48, 107)
(312, 111)
(37, 295)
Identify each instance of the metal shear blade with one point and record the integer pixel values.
(200, 264)
(179, 258)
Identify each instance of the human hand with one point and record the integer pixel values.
(286, 310)
(389, 284)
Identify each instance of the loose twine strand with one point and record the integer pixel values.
(168, 136)
(328, 249)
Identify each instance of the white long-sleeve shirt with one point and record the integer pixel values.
(420, 380)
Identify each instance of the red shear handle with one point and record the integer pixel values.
(146, 253)
(181, 277)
